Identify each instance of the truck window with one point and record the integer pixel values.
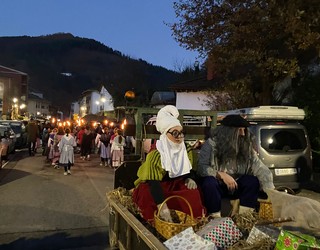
(283, 140)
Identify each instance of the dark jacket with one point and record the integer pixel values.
(32, 131)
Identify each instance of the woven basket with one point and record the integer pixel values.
(170, 229)
(265, 210)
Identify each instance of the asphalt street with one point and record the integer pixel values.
(43, 209)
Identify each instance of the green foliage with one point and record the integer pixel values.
(307, 95)
(251, 44)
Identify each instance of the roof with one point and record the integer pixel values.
(163, 97)
(89, 91)
(198, 84)
(6, 70)
(36, 97)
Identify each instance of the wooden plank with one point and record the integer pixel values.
(151, 240)
(192, 132)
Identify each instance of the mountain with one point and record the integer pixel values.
(62, 66)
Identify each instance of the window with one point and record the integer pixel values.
(284, 140)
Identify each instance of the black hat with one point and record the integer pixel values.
(235, 121)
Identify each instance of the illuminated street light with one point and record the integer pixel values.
(14, 109)
(83, 110)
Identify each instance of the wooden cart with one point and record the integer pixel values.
(125, 230)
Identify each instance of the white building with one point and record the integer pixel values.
(93, 102)
(37, 106)
(193, 94)
(105, 101)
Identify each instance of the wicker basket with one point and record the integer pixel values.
(170, 229)
(265, 210)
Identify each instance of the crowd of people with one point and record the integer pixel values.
(60, 144)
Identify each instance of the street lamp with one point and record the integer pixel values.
(83, 111)
(22, 107)
(15, 109)
(129, 96)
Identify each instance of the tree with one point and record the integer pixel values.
(251, 44)
(307, 96)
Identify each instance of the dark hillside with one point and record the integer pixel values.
(90, 64)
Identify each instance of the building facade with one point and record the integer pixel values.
(13, 92)
(38, 106)
(92, 102)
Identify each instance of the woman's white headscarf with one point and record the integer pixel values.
(174, 157)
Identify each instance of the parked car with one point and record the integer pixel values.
(8, 140)
(19, 129)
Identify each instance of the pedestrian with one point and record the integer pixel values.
(103, 142)
(66, 148)
(230, 168)
(117, 149)
(44, 139)
(86, 144)
(56, 141)
(32, 135)
(45, 144)
(80, 135)
(168, 170)
(51, 143)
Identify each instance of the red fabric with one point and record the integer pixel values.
(80, 136)
(153, 145)
(143, 198)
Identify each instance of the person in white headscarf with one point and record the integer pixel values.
(168, 171)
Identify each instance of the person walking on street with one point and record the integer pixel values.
(66, 148)
(56, 153)
(117, 149)
(32, 135)
(51, 143)
(103, 142)
(80, 136)
(86, 144)
(46, 145)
